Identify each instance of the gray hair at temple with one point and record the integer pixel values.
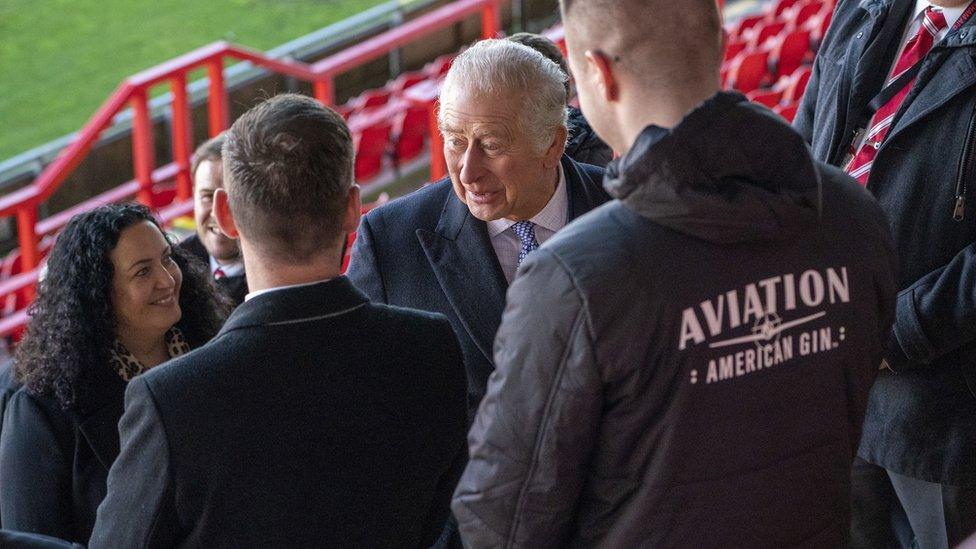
(494, 67)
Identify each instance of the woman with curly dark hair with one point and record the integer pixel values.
(117, 299)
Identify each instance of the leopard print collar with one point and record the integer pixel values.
(128, 366)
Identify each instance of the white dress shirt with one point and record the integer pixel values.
(951, 16)
(254, 294)
(230, 269)
(550, 219)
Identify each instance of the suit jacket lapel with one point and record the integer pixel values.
(887, 21)
(101, 427)
(584, 193)
(467, 269)
(937, 83)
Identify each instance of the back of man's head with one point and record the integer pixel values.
(288, 168)
(659, 44)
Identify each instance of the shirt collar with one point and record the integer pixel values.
(230, 269)
(552, 216)
(254, 294)
(951, 14)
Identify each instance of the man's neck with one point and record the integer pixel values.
(665, 110)
(228, 261)
(264, 273)
(553, 177)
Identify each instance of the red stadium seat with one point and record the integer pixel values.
(797, 84)
(438, 67)
(765, 32)
(734, 48)
(371, 98)
(790, 51)
(782, 6)
(787, 111)
(371, 139)
(744, 25)
(805, 12)
(408, 79)
(749, 71)
(768, 97)
(409, 134)
(825, 17)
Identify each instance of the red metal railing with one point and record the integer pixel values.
(134, 91)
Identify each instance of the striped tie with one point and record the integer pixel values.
(915, 50)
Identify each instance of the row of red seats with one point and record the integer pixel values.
(386, 126)
(768, 55)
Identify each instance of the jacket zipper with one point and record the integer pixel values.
(967, 166)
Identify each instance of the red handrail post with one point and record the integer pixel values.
(490, 20)
(438, 166)
(142, 146)
(182, 138)
(27, 236)
(325, 90)
(217, 97)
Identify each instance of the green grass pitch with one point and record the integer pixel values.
(60, 59)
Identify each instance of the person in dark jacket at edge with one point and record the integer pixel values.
(209, 245)
(915, 478)
(689, 364)
(583, 144)
(8, 386)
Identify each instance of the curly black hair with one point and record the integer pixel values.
(66, 349)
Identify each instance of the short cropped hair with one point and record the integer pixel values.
(288, 168)
(208, 150)
(493, 67)
(544, 46)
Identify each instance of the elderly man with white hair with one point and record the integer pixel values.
(453, 247)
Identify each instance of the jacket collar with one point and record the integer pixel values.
(706, 177)
(99, 420)
(964, 36)
(328, 298)
(464, 261)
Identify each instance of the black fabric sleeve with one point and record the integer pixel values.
(936, 315)
(455, 393)
(35, 469)
(803, 121)
(139, 509)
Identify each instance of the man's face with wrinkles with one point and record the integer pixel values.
(494, 167)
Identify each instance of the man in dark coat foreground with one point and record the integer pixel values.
(915, 481)
(688, 365)
(314, 418)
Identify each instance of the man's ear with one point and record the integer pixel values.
(223, 215)
(354, 210)
(601, 69)
(556, 148)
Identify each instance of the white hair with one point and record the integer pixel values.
(492, 67)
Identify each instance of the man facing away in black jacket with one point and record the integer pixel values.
(686, 366)
(314, 418)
